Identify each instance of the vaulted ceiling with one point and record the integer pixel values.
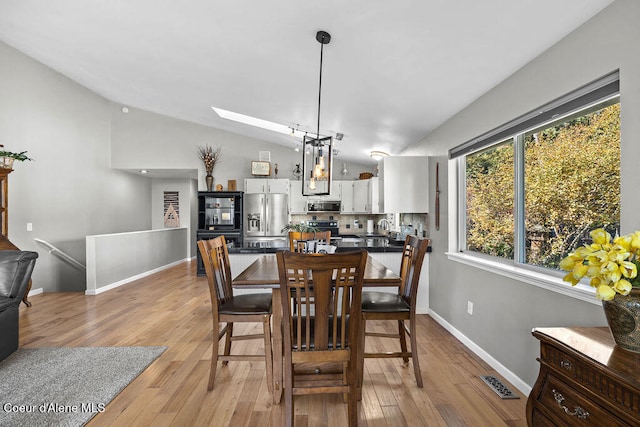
(394, 70)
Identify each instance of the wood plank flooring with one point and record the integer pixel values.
(172, 309)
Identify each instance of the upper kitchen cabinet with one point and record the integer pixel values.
(334, 193)
(404, 184)
(297, 202)
(266, 185)
(365, 196)
(346, 197)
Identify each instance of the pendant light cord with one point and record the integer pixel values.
(319, 92)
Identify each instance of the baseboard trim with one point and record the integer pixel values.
(523, 387)
(33, 292)
(132, 278)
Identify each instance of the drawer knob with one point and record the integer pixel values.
(577, 412)
(565, 364)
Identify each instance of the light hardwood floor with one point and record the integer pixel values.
(172, 309)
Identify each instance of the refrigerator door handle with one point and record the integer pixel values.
(267, 216)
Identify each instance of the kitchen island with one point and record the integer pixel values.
(371, 244)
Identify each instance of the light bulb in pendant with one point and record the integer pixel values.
(312, 184)
(321, 162)
(317, 171)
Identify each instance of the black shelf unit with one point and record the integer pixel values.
(219, 213)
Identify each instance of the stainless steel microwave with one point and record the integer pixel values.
(322, 206)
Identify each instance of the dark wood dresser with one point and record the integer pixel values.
(584, 379)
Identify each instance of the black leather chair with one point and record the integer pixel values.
(15, 271)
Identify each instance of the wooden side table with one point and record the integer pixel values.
(584, 379)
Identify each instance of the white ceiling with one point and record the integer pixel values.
(394, 70)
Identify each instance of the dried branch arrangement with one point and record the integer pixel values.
(209, 156)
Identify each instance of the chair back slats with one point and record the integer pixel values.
(215, 257)
(320, 323)
(411, 266)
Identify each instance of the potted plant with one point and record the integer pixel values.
(301, 227)
(7, 158)
(612, 265)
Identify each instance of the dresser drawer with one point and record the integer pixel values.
(558, 359)
(567, 407)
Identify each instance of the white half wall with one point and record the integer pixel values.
(115, 259)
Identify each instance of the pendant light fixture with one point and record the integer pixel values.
(317, 152)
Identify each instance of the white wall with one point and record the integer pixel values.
(188, 200)
(69, 191)
(506, 310)
(145, 140)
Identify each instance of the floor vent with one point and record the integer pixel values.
(497, 386)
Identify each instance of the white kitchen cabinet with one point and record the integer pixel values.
(334, 194)
(336, 190)
(374, 196)
(360, 196)
(297, 202)
(346, 197)
(266, 185)
(365, 196)
(404, 184)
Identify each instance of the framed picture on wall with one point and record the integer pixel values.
(260, 168)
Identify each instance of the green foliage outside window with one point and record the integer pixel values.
(571, 186)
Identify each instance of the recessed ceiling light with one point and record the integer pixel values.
(144, 171)
(377, 155)
(125, 110)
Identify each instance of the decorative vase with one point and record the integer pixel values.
(209, 181)
(623, 317)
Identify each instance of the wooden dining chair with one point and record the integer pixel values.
(321, 336)
(230, 309)
(298, 236)
(399, 307)
(297, 243)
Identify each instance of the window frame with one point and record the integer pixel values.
(597, 92)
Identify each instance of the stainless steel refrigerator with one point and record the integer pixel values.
(266, 214)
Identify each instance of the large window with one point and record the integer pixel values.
(533, 189)
(490, 214)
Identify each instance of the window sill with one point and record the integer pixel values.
(555, 284)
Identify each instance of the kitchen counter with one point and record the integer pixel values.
(371, 244)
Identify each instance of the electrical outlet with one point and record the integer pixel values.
(29, 226)
(469, 307)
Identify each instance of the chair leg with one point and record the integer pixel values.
(360, 363)
(214, 355)
(288, 396)
(352, 404)
(414, 350)
(403, 340)
(227, 342)
(268, 355)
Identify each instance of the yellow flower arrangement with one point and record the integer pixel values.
(611, 265)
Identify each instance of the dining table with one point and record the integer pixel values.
(263, 274)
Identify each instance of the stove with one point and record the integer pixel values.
(331, 226)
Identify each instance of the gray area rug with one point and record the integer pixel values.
(66, 386)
